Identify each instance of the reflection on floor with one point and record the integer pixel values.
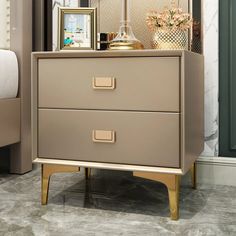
(111, 203)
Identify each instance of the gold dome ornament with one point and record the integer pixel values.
(125, 40)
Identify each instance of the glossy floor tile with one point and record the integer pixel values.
(111, 203)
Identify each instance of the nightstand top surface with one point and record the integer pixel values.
(98, 54)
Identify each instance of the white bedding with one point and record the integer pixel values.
(8, 74)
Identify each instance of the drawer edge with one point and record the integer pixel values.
(103, 109)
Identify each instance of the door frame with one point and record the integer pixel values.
(226, 147)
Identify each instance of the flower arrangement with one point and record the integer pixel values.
(172, 18)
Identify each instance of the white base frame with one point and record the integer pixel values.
(210, 170)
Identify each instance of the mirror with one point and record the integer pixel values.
(197, 36)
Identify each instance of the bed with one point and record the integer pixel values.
(15, 115)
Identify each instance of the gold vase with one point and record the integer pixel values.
(170, 40)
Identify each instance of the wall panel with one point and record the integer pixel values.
(5, 24)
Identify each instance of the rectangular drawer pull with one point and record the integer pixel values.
(103, 136)
(104, 83)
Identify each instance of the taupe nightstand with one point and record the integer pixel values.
(139, 111)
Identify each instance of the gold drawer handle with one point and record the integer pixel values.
(103, 136)
(108, 83)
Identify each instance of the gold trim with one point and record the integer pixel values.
(46, 172)
(172, 183)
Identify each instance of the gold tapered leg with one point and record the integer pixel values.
(194, 176)
(47, 171)
(172, 183)
(173, 192)
(87, 172)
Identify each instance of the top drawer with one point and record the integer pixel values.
(144, 83)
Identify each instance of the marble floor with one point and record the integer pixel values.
(111, 203)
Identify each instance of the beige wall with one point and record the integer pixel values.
(109, 15)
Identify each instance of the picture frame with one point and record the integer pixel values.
(77, 28)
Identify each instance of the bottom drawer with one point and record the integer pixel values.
(137, 138)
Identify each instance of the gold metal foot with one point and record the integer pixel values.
(172, 183)
(47, 171)
(87, 172)
(194, 176)
(173, 192)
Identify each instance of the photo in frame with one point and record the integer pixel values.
(77, 28)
